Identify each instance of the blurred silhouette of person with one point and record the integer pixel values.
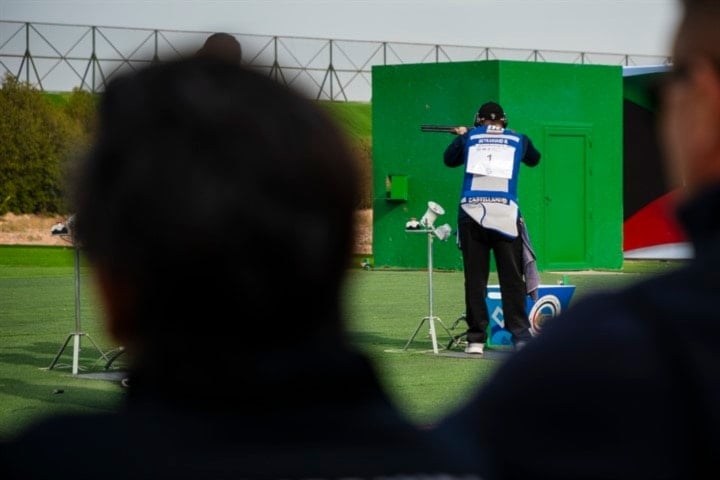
(626, 384)
(221, 46)
(217, 201)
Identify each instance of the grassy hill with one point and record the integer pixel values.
(354, 117)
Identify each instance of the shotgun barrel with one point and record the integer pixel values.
(438, 128)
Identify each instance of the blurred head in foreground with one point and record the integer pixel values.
(216, 208)
(691, 98)
(221, 46)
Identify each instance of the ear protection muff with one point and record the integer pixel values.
(479, 120)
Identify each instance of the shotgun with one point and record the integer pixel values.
(438, 128)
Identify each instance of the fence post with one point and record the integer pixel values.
(26, 59)
(93, 58)
(156, 57)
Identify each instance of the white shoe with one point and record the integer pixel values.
(476, 348)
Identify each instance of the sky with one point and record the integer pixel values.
(635, 27)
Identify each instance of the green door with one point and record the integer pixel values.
(565, 197)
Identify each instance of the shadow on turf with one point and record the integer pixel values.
(63, 391)
(423, 345)
(490, 354)
(41, 355)
(372, 338)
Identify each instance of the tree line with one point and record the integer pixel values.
(42, 134)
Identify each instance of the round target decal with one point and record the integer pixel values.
(545, 308)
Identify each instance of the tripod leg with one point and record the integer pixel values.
(414, 333)
(456, 340)
(457, 320)
(102, 354)
(444, 327)
(62, 349)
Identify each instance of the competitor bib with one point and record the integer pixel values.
(492, 159)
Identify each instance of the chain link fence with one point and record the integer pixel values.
(61, 57)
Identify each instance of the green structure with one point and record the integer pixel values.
(572, 201)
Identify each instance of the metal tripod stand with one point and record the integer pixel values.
(431, 318)
(76, 334)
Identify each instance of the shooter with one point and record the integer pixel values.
(489, 219)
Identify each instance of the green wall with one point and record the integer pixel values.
(573, 113)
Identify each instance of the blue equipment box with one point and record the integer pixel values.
(552, 299)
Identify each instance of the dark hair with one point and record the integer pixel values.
(221, 46)
(225, 198)
(697, 32)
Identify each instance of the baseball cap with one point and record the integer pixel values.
(491, 111)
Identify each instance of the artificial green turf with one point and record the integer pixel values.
(37, 312)
(383, 308)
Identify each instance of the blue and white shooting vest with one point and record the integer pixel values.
(489, 194)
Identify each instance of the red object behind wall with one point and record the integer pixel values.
(654, 225)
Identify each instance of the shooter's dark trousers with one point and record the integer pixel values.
(475, 244)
